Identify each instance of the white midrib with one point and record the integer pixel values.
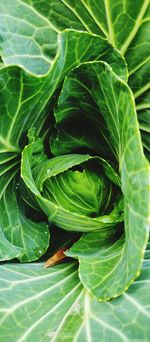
(137, 305)
(135, 28)
(95, 19)
(8, 146)
(143, 106)
(86, 318)
(140, 65)
(34, 279)
(18, 108)
(109, 327)
(109, 22)
(34, 297)
(141, 90)
(54, 339)
(40, 16)
(30, 330)
(77, 15)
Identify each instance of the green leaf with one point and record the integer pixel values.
(144, 121)
(28, 32)
(16, 88)
(25, 95)
(84, 140)
(8, 170)
(9, 167)
(126, 26)
(51, 304)
(56, 213)
(34, 43)
(29, 237)
(23, 101)
(19, 93)
(59, 306)
(8, 250)
(137, 53)
(116, 107)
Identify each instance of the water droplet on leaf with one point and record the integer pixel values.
(106, 219)
(38, 252)
(49, 171)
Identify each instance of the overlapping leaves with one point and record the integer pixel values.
(24, 100)
(29, 32)
(113, 265)
(36, 56)
(48, 304)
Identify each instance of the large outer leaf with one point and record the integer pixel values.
(50, 305)
(28, 32)
(116, 105)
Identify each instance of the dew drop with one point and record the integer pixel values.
(38, 252)
(49, 171)
(17, 186)
(105, 220)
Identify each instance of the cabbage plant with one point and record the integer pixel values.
(74, 170)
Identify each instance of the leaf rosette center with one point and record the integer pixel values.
(82, 189)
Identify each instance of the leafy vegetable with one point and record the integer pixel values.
(50, 304)
(74, 83)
